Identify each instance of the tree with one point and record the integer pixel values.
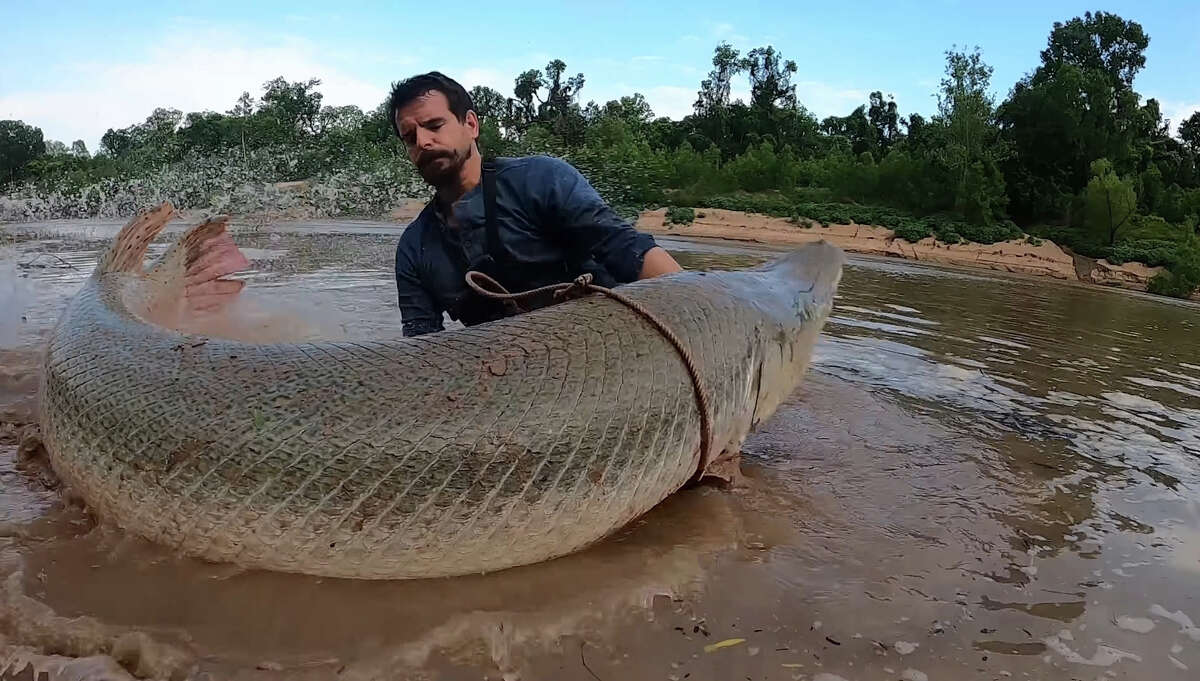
(1189, 132)
(885, 119)
(713, 96)
(341, 119)
(560, 95)
(1079, 105)
(489, 103)
(856, 129)
(19, 144)
(207, 132)
(293, 108)
(1111, 202)
(770, 79)
(56, 148)
(244, 106)
(1097, 42)
(634, 111)
(973, 149)
(78, 148)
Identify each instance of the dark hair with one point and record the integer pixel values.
(411, 88)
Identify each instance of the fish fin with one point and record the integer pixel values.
(726, 467)
(128, 249)
(191, 255)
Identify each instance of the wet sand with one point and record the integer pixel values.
(983, 477)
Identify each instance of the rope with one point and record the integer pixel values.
(490, 288)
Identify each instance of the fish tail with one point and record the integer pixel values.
(128, 250)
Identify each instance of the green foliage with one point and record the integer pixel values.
(677, 215)
(973, 149)
(1189, 132)
(1111, 202)
(19, 144)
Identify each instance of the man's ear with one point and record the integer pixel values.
(472, 123)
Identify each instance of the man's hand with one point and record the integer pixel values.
(657, 263)
(206, 289)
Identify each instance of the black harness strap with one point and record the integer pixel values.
(494, 247)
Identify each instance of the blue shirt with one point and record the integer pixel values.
(545, 209)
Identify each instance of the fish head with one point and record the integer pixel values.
(798, 297)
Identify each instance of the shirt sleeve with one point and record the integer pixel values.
(419, 313)
(589, 224)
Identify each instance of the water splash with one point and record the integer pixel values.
(230, 184)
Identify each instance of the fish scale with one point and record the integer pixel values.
(465, 451)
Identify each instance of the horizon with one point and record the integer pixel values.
(204, 61)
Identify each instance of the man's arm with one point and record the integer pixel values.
(576, 208)
(657, 263)
(419, 314)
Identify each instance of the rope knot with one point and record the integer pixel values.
(576, 289)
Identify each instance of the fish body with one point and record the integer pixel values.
(465, 451)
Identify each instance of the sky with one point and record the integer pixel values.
(76, 69)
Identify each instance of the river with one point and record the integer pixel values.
(982, 477)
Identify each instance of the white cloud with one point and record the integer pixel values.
(1177, 111)
(493, 78)
(722, 29)
(823, 99)
(671, 100)
(207, 73)
(725, 32)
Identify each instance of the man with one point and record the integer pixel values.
(547, 224)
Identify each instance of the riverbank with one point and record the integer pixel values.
(1038, 257)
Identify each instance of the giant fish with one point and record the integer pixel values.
(465, 451)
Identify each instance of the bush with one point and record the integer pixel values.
(913, 230)
(680, 216)
(1153, 252)
(1180, 281)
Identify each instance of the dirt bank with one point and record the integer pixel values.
(1041, 258)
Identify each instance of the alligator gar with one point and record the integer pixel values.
(465, 451)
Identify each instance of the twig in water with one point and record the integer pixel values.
(585, 664)
(29, 264)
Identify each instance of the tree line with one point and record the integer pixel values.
(1072, 153)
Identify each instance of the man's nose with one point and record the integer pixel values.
(424, 138)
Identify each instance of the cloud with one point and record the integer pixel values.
(1177, 111)
(823, 99)
(208, 72)
(672, 101)
(494, 78)
(725, 32)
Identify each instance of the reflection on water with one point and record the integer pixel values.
(983, 477)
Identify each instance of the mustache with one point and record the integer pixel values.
(429, 156)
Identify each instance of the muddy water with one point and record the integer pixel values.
(982, 478)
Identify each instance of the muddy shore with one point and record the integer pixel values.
(1039, 258)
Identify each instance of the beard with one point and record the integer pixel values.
(441, 168)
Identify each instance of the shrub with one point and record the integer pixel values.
(677, 215)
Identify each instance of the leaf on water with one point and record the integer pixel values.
(723, 644)
(791, 665)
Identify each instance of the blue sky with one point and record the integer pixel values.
(76, 69)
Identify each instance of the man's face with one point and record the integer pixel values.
(437, 142)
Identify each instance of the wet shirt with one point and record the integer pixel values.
(545, 211)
